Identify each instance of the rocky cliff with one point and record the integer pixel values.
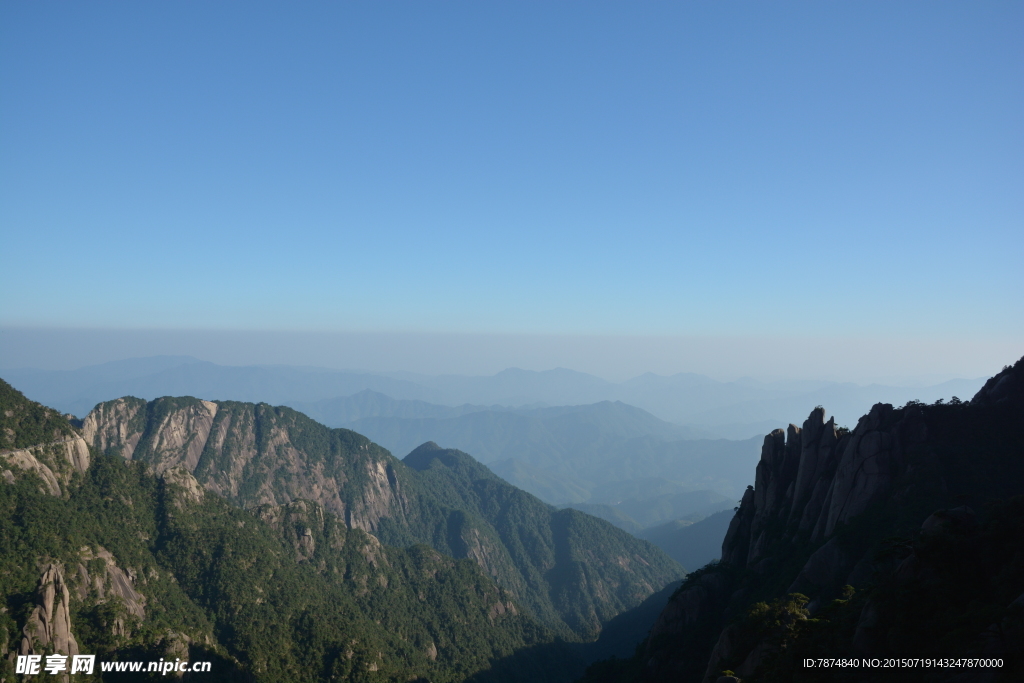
(848, 538)
(36, 439)
(54, 462)
(253, 454)
(48, 628)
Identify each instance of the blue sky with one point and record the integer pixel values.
(720, 169)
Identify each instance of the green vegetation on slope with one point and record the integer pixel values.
(279, 593)
(25, 423)
(561, 555)
(570, 571)
(354, 610)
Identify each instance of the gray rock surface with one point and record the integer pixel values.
(54, 462)
(48, 628)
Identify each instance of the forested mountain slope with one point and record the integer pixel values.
(586, 570)
(255, 454)
(902, 538)
(124, 563)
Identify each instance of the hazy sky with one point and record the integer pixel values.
(731, 171)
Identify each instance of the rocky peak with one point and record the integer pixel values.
(106, 581)
(48, 628)
(810, 479)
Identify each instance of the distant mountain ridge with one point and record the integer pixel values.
(566, 454)
(739, 409)
(636, 514)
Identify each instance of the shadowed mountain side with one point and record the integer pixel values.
(903, 538)
(621, 636)
(692, 545)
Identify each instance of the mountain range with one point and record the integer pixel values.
(739, 409)
(599, 453)
(285, 550)
(281, 549)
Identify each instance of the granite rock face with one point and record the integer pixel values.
(116, 427)
(185, 489)
(809, 480)
(110, 581)
(48, 628)
(812, 479)
(252, 454)
(55, 462)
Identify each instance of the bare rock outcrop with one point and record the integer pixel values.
(251, 454)
(55, 462)
(180, 436)
(48, 628)
(300, 523)
(811, 479)
(185, 489)
(833, 509)
(115, 427)
(106, 581)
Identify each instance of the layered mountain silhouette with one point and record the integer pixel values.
(577, 454)
(740, 409)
